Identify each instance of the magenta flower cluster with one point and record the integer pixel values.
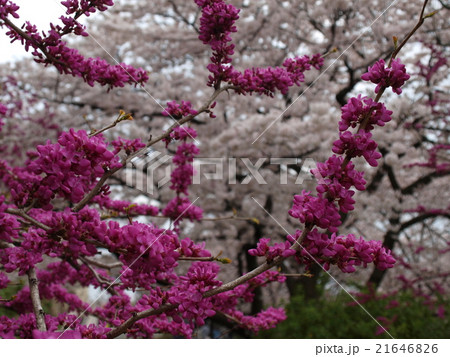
(394, 76)
(360, 107)
(71, 166)
(9, 226)
(315, 211)
(346, 252)
(149, 253)
(4, 281)
(19, 258)
(178, 111)
(127, 146)
(86, 7)
(265, 319)
(7, 8)
(217, 23)
(24, 327)
(181, 178)
(359, 144)
(278, 249)
(269, 80)
(180, 208)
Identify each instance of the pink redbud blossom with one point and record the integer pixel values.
(128, 146)
(332, 169)
(394, 76)
(178, 111)
(264, 250)
(357, 108)
(315, 211)
(345, 252)
(359, 144)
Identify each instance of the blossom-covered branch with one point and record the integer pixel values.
(51, 49)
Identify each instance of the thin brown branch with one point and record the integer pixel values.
(232, 217)
(200, 259)
(101, 280)
(229, 317)
(30, 219)
(411, 33)
(207, 259)
(410, 189)
(102, 265)
(140, 315)
(30, 39)
(422, 217)
(6, 300)
(122, 117)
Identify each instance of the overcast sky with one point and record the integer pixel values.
(39, 13)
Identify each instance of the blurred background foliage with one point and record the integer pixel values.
(404, 314)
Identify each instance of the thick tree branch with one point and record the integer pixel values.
(408, 190)
(4, 245)
(36, 300)
(392, 179)
(420, 218)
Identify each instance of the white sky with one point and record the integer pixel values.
(39, 13)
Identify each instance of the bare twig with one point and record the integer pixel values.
(305, 275)
(233, 217)
(101, 280)
(406, 39)
(208, 259)
(122, 117)
(102, 265)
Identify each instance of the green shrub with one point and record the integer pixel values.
(403, 315)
